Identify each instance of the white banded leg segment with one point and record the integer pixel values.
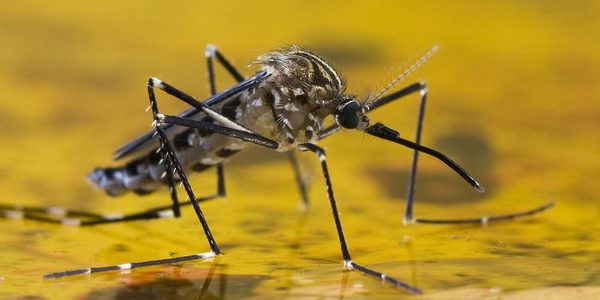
(166, 214)
(56, 211)
(13, 214)
(157, 83)
(113, 216)
(348, 265)
(209, 254)
(210, 50)
(71, 222)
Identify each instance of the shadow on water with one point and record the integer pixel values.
(471, 150)
(202, 284)
(362, 52)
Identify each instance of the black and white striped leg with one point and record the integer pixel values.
(212, 53)
(348, 263)
(50, 214)
(169, 168)
(408, 214)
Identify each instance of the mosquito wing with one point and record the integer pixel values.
(148, 141)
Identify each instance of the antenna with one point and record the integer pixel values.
(411, 69)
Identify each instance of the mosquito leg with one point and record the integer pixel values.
(412, 177)
(213, 53)
(348, 263)
(299, 180)
(171, 181)
(169, 153)
(487, 219)
(210, 52)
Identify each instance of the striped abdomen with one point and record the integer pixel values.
(146, 174)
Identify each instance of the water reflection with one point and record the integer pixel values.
(209, 283)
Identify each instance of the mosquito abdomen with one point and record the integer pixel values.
(142, 176)
(195, 151)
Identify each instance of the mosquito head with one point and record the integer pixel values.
(349, 114)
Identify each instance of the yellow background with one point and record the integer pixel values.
(514, 98)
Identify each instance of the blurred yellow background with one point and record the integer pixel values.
(514, 98)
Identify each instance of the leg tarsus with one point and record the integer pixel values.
(385, 278)
(487, 219)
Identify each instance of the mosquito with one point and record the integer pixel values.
(293, 101)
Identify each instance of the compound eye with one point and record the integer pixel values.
(347, 117)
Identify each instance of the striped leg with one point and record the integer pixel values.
(348, 262)
(213, 53)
